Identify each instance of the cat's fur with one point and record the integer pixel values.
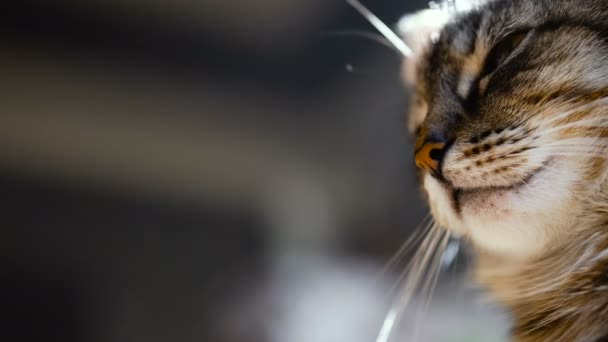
(519, 90)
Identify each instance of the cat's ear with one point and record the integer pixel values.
(419, 31)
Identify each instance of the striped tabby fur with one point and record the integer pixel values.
(519, 90)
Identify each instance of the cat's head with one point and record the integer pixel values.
(510, 116)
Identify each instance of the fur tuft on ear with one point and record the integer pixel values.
(420, 29)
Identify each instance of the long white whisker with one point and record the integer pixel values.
(426, 233)
(396, 309)
(418, 233)
(419, 264)
(382, 28)
(429, 232)
(601, 155)
(574, 147)
(380, 39)
(429, 284)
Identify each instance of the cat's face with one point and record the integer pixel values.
(511, 121)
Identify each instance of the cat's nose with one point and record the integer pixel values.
(429, 155)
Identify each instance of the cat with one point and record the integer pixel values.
(510, 117)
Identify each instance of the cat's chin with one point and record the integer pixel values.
(512, 221)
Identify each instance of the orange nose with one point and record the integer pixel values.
(429, 155)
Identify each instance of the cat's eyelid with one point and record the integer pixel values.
(501, 53)
(527, 35)
(491, 66)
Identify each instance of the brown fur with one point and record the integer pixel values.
(496, 118)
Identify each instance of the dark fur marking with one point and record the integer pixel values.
(485, 134)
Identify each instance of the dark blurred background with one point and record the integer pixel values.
(199, 170)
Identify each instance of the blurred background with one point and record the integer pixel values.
(212, 170)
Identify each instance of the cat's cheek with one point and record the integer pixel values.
(522, 222)
(495, 224)
(485, 218)
(442, 206)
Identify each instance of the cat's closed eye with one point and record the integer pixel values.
(499, 54)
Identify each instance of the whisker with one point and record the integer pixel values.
(419, 263)
(361, 34)
(418, 233)
(429, 284)
(382, 28)
(396, 309)
(426, 233)
(580, 154)
(574, 147)
(451, 253)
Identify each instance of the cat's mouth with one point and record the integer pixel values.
(463, 210)
(458, 196)
(506, 219)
